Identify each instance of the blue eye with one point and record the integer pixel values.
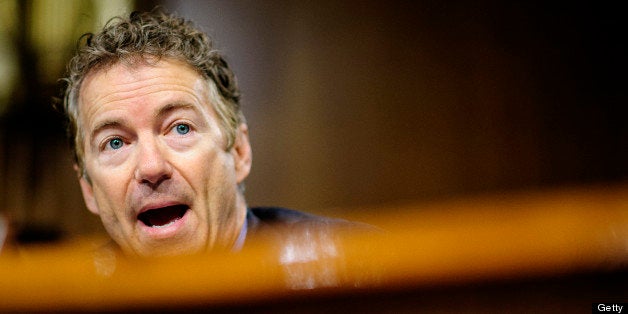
(116, 143)
(182, 128)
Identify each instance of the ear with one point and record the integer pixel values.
(242, 154)
(88, 191)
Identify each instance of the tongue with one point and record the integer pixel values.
(162, 216)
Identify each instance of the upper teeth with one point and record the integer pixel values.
(166, 225)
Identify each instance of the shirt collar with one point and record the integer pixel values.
(239, 243)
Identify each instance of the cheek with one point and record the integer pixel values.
(108, 202)
(221, 168)
(109, 187)
(206, 162)
(214, 177)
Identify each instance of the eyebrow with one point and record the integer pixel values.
(115, 123)
(101, 126)
(175, 106)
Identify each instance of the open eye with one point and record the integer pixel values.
(116, 143)
(182, 128)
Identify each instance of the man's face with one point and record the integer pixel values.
(159, 175)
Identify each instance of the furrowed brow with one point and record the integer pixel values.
(165, 110)
(104, 125)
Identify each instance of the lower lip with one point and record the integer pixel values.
(166, 231)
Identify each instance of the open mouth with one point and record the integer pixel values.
(162, 217)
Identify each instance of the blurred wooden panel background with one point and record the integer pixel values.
(351, 103)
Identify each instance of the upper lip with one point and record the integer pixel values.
(160, 204)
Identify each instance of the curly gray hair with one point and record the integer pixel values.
(151, 35)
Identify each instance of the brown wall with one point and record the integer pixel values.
(354, 102)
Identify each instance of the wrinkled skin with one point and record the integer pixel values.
(152, 141)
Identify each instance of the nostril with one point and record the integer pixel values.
(152, 167)
(154, 183)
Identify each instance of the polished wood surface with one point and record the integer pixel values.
(528, 250)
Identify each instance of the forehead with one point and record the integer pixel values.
(124, 91)
(124, 80)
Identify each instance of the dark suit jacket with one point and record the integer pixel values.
(309, 248)
(279, 221)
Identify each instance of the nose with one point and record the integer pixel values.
(152, 165)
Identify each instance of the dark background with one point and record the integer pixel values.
(353, 103)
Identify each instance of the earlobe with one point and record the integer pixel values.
(243, 156)
(88, 192)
